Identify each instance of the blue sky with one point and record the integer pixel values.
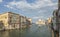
(35, 9)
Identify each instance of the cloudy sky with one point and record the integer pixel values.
(35, 9)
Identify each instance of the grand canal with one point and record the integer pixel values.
(33, 31)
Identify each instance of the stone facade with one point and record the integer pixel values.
(13, 21)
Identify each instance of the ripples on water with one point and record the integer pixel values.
(33, 31)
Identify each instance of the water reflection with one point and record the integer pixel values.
(11, 33)
(4, 34)
(33, 31)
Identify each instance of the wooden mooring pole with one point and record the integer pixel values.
(55, 33)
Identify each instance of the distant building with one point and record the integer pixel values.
(40, 22)
(12, 20)
(30, 20)
(23, 21)
(49, 20)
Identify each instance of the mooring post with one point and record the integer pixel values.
(57, 19)
(55, 32)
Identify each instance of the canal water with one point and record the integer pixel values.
(33, 31)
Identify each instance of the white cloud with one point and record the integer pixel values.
(32, 7)
(36, 17)
(1, 0)
(8, 6)
(38, 4)
(42, 11)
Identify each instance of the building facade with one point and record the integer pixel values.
(13, 21)
(10, 20)
(40, 22)
(23, 22)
